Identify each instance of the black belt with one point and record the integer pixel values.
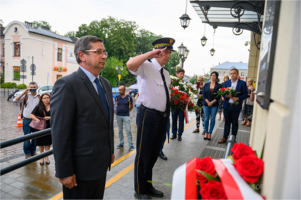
(26, 118)
(232, 104)
(164, 114)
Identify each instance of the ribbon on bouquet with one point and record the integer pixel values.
(186, 114)
(234, 185)
(184, 183)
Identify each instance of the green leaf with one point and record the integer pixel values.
(262, 152)
(208, 176)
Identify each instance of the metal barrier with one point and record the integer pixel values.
(24, 138)
(230, 144)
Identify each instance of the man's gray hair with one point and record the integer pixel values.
(83, 44)
(33, 83)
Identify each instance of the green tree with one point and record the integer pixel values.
(144, 40)
(206, 76)
(70, 34)
(1, 23)
(109, 71)
(193, 79)
(41, 23)
(173, 62)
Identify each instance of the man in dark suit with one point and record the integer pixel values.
(82, 114)
(231, 111)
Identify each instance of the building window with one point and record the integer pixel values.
(59, 54)
(17, 49)
(3, 50)
(242, 74)
(58, 77)
(17, 73)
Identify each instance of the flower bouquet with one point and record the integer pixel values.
(227, 91)
(237, 177)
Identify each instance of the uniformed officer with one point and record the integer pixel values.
(154, 101)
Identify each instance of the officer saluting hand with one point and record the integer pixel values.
(154, 100)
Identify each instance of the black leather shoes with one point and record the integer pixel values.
(173, 137)
(142, 196)
(162, 156)
(155, 193)
(179, 138)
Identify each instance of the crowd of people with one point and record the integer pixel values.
(83, 108)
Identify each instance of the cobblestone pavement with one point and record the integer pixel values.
(8, 119)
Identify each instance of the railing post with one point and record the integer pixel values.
(230, 144)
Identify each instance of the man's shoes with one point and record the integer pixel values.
(119, 146)
(155, 193)
(142, 196)
(235, 141)
(180, 138)
(173, 137)
(27, 156)
(223, 140)
(132, 148)
(33, 154)
(162, 156)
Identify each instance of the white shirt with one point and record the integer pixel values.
(151, 86)
(92, 79)
(31, 103)
(233, 85)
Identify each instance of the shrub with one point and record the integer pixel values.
(9, 85)
(21, 86)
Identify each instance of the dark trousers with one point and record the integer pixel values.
(151, 129)
(86, 190)
(175, 129)
(166, 132)
(231, 114)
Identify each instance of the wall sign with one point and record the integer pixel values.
(267, 53)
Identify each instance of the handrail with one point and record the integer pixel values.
(27, 161)
(230, 144)
(24, 138)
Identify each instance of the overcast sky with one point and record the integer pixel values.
(157, 16)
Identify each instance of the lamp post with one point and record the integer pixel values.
(118, 71)
(183, 53)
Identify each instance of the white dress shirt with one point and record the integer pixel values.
(31, 103)
(233, 85)
(151, 86)
(92, 79)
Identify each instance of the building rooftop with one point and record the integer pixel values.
(42, 31)
(230, 65)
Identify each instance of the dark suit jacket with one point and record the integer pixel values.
(242, 95)
(206, 93)
(82, 134)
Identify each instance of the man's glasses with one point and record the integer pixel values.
(100, 52)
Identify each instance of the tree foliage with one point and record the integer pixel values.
(172, 65)
(70, 34)
(206, 76)
(41, 23)
(109, 71)
(143, 41)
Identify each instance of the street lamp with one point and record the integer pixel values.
(183, 53)
(212, 51)
(118, 71)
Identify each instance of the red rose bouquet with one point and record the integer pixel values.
(233, 178)
(227, 91)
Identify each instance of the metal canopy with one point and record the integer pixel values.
(238, 15)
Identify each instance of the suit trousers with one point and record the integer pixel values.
(86, 189)
(151, 129)
(231, 114)
(175, 128)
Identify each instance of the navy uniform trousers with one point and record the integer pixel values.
(151, 129)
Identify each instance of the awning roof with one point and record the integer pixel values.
(220, 13)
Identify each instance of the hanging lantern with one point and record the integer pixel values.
(185, 19)
(181, 50)
(203, 41)
(212, 51)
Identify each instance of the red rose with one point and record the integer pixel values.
(223, 89)
(187, 95)
(240, 150)
(250, 168)
(213, 190)
(176, 102)
(176, 91)
(191, 104)
(205, 165)
(196, 109)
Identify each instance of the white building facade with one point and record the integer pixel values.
(224, 70)
(52, 54)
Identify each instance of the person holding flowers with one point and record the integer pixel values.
(233, 104)
(210, 103)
